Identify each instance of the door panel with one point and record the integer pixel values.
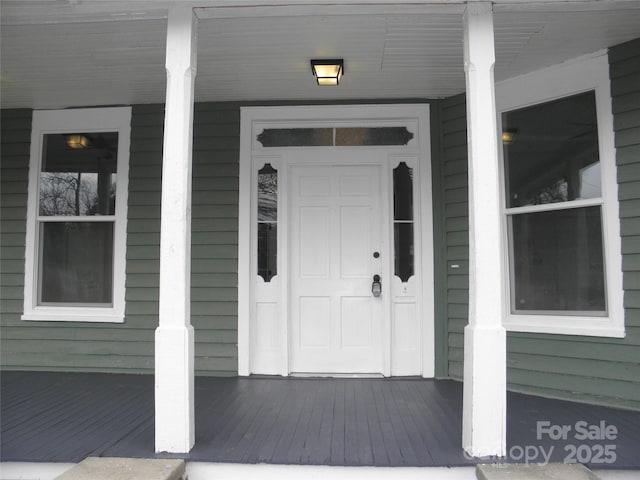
(313, 313)
(336, 220)
(355, 247)
(314, 242)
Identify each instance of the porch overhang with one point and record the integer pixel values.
(484, 412)
(392, 50)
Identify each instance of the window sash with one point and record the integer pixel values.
(47, 267)
(526, 271)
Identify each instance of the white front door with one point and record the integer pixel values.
(336, 246)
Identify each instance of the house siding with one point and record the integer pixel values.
(591, 369)
(129, 347)
(454, 182)
(15, 134)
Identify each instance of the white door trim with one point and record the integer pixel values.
(253, 121)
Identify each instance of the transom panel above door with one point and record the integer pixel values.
(335, 261)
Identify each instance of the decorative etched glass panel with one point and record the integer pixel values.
(403, 247)
(403, 192)
(344, 137)
(296, 137)
(267, 222)
(557, 261)
(76, 260)
(551, 152)
(78, 178)
(363, 136)
(267, 194)
(267, 250)
(403, 221)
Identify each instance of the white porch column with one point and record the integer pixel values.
(174, 343)
(484, 404)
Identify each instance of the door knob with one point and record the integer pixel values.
(376, 286)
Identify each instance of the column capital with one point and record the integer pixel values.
(181, 38)
(478, 35)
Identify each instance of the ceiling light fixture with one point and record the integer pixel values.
(328, 71)
(508, 136)
(76, 141)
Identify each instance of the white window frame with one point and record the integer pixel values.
(70, 121)
(588, 73)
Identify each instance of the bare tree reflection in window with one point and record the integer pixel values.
(267, 222)
(78, 182)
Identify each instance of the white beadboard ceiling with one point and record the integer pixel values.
(57, 53)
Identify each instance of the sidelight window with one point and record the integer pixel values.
(403, 221)
(267, 222)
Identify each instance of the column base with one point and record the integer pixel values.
(174, 392)
(485, 395)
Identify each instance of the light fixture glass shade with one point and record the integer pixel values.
(77, 141)
(328, 72)
(508, 136)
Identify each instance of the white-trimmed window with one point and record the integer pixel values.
(560, 201)
(77, 214)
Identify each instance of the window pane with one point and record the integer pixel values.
(78, 175)
(296, 137)
(403, 192)
(558, 261)
(403, 243)
(76, 262)
(267, 250)
(551, 154)
(267, 222)
(346, 137)
(267, 194)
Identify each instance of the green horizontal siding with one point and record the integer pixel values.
(214, 252)
(129, 347)
(439, 245)
(454, 183)
(15, 133)
(593, 369)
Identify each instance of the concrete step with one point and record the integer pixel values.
(95, 468)
(550, 471)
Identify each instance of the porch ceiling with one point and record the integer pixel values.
(88, 52)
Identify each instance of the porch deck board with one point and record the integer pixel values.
(65, 417)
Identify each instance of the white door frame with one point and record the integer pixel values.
(275, 293)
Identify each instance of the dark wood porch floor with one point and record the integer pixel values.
(65, 417)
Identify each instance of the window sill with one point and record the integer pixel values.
(72, 316)
(565, 325)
